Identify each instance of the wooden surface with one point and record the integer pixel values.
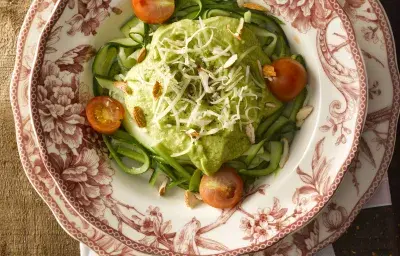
(27, 226)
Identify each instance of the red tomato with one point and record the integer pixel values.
(153, 11)
(222, 190)
(104, 114)
(290, 79)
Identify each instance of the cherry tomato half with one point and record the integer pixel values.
(222, 190)
(104, 114)
(153, 11)
(290, 79)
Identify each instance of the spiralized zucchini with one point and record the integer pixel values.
(118, 56)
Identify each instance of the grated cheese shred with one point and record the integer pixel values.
(203, 100)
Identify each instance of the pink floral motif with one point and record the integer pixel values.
(146, 225)
(89, 179)
(26, 70)
(259, 227)
(334, 217)
(283, 249)
(303, 15)
(370, 34)
(59, 110)
(374, 90)
(42, 6)
(34, 155)
(72, 60)
(307, 238)
(355, 3)
(346, 81)
(318, 183)
(261, 232)
(90, 14)
(247, 225)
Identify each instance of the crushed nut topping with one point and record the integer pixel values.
(157, 90)
(254, 6)
(139, 117)
(269, 71)
(191, 200)
(142, 55)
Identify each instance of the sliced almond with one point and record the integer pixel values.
(254, 6)
(270, 105)
(157, 90)
(163, 187)
(236, 34)
(142, 55)
(231, 61)
(304, 112)
(123, 86)
(285, 154)
(250, 133)
(190, 199)
(139, 117)
(198, 196)
(239, 30)
(299, 123)
(268, 71)
(204, 77)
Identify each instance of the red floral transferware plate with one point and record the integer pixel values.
(318, 233)
(109, 200)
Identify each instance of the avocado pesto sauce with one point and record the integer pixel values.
(199, 92)
(194, 94)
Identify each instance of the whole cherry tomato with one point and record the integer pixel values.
(290, 79)
(153, 11)
(222, 190)
(105, 114)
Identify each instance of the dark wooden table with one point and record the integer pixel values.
(27, 226)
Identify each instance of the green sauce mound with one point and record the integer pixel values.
(211, 89)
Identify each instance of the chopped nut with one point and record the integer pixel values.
(269, 71)
(254, 6)
(299, 123)
(231, 61)
(163, 187)
(285, 154)
(193, 134)
(236, 34)
(304, 112)
(190, 199)
(142, 55)
(123, 86)
(198, 196)
(250, 133)
(139, 117)
(270, 105)
(157, 90)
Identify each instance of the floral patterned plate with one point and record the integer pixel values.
(118, 204)
(311, 238)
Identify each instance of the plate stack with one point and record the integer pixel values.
(336, 162)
